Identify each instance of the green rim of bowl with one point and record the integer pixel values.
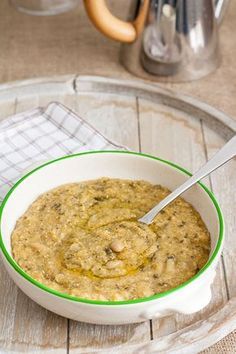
(98, 302)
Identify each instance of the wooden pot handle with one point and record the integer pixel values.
(113, 27)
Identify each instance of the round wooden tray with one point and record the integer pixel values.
(145, 118)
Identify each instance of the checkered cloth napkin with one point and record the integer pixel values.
(33, 137)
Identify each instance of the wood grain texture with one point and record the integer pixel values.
(150, 124)
(115, 116)
(215, 119)
(189, 340)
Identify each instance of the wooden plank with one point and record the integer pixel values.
(224, 186)
(216, 119)
(116, 117)
(24, 325)
(84, 337)
(190, 340)
(8, 296)
(176, 136)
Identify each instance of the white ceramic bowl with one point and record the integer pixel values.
(189, 297)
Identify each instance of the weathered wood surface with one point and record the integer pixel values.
(139, 116)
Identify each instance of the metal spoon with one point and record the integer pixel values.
(227, 152)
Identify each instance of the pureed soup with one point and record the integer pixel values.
(84, 239)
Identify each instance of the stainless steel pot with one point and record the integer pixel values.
(175, 40)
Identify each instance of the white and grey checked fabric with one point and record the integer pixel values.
(40, 135)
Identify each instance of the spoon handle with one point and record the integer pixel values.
(227, 152)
